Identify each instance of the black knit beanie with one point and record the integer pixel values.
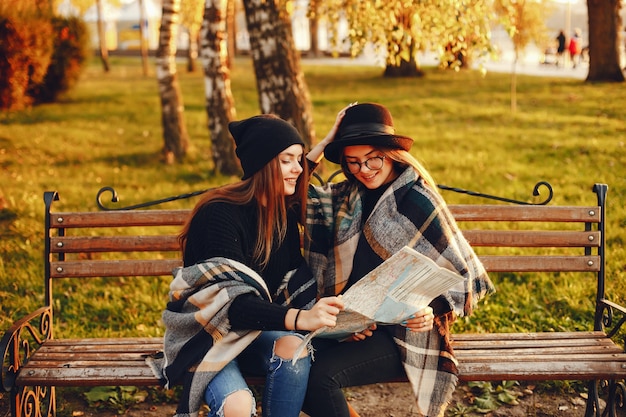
(261, 138)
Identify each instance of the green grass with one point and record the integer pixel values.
(107, 132)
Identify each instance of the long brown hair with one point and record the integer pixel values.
(266, 189)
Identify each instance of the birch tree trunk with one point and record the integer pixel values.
(172, 109)
(604, 24)
(104, 51)
(280, 82)
(231, 32)
(220, 105)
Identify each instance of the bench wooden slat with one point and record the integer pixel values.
(82, 244)
(488, 337)
(494, 212)
(532, 238)
(531, 263)
(122, 268)
(539, 370)
(470, 339)
(79, 376)
(477, 238)
(119, 218)
(161, 267)
(460, 212)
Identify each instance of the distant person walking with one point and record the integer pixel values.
(560, 50)
(575, 48)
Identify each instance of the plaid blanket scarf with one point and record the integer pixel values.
(407, 213)
(198, 339)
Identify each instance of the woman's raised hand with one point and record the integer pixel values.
(317, 152)
(333, 130)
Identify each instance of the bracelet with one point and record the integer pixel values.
(295, 322)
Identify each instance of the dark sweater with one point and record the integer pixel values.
(230, 231)
(364, 259)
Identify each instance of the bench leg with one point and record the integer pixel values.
(33, 402)
(615, 398)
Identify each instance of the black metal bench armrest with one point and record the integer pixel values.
(608, 313)
(20, 341)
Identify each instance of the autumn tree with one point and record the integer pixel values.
(176, 140)
(280, 81)
(220, 105)
(400, 29)
(604, 27)
(524, 21)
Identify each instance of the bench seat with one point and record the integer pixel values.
(482, 357)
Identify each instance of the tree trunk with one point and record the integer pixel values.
(192, 49)
(220, 105)
(143, 25)
(104, 51)
(604, 24)
(314, 50)
(403, 69)
(398, 66)
(280, 81)
(231, 33)
(172, 109)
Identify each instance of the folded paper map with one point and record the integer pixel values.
(399, 287)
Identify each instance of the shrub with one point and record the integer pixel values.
(26, 42)
(70, 49)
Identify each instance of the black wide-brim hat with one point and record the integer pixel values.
(366, 124)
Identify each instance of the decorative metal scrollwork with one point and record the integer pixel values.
(607, 316)
(620, 398)
(115, 198)
(17, 346)
(536, 193)
(36, 402)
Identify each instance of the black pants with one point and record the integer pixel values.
(348, 364)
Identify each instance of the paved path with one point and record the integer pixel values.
(528, 67)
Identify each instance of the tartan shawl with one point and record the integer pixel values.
(199, 340)
(408, 212)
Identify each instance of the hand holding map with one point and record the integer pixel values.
(405, 283)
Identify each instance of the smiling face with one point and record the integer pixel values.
(356, 157)
(290, 161)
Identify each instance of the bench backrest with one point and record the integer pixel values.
(507, 238)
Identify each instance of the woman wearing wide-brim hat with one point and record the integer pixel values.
(388, 200)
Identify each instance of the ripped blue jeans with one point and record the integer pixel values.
(285, 383)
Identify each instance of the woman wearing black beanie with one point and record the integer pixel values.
(245, 291)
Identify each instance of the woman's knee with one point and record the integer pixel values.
(239, 404)
(286, 347)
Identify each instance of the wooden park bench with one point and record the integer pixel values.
(142, 244)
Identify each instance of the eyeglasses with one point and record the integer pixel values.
(374, 163)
